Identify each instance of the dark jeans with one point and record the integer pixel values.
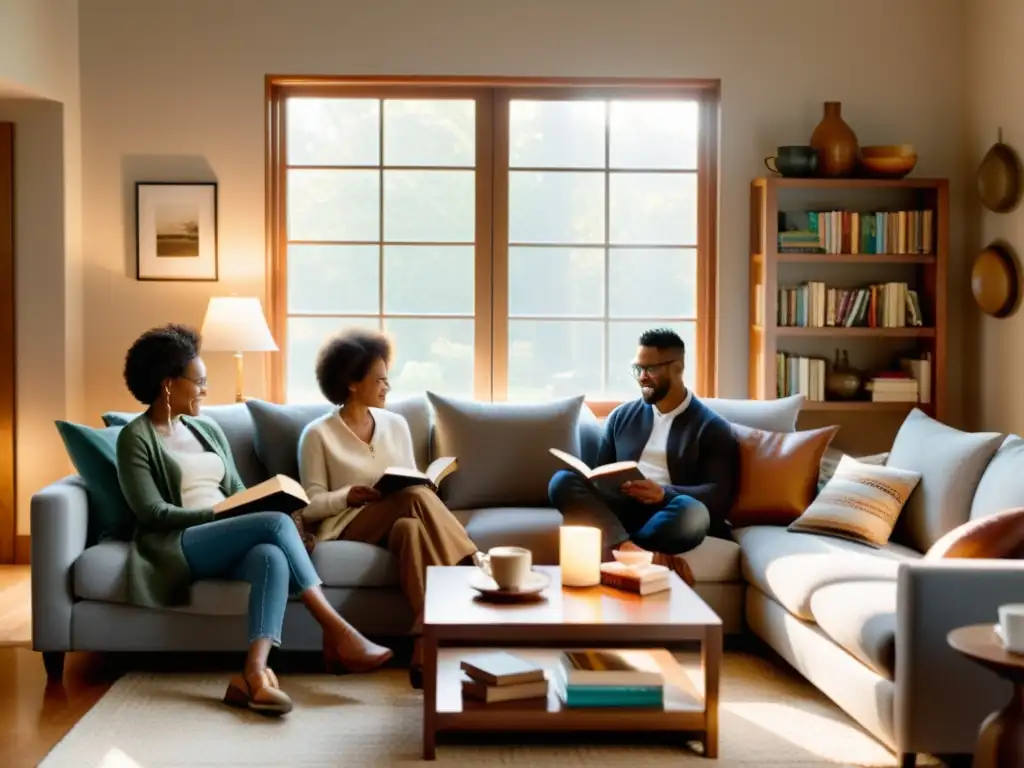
(672, 527)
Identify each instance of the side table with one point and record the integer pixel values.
(1001, 736)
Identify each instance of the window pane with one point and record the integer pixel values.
(653, 208)
(654, 282)
(554, 282)
(429, 132)
(305, 337)
(333, 205)
(424, 279)
(654, 134)
(337, 279)
(431, 354)
(623, 338)
(333, 131)
(430, 206)
(549, 359)
(556, 207)
(556, 134)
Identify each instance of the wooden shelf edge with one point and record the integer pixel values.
(861, 405)
(811, 183)
(853, 258)
(854, 331)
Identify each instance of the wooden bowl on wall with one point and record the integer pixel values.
(887, 162)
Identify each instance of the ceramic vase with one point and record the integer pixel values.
(836, 143)
(842, 382)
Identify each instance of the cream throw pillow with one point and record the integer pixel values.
(861, 503)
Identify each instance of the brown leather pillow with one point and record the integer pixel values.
(996, 536)
(778, 474)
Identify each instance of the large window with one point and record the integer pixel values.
(514, 242)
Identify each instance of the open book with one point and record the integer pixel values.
(397, 478)
(608, 478)
(278, 494)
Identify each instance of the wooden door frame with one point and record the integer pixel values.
(8, 496)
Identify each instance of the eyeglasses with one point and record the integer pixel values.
(201, 383)
(639, 370)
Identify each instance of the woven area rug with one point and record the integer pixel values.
(769, 716)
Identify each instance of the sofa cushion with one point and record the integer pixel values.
(860, 616)
(277, 429)
(714, 561)
(995, 536)
(778, 474)
(830, 461)
(535, 528)
(1002, 484)
(777, 415)
(354, 564)
(94, 454)
(951, 464)
(791, 567)
(502, 448)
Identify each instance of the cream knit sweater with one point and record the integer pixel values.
(332, 459)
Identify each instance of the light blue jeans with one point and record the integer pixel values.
(263, 549)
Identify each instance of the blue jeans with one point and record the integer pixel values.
(263, 549)
(673, 527)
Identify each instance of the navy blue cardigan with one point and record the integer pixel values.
(703, 454)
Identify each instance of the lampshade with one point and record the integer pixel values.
(236, 324)
(580, 555)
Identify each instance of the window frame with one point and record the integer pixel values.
(491, 260)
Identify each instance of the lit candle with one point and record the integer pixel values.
(580, 555)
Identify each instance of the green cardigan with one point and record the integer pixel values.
(158, 574)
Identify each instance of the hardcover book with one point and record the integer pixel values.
(607, 478)
(501, 668)
(278, 494)
(396, 478)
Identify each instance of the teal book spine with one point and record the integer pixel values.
(613, 696)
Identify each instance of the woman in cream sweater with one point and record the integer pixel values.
(344, 453)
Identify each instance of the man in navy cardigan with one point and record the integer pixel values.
(688, 455)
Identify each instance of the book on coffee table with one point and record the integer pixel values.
(607, 478)
(397, 478)
(639, 579)
(278, 494)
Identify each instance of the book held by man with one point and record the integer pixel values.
(278, 494)
(607, 478)
(397, 478)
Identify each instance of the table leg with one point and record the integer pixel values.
(1001, 737)
(711, 661)
(429, 695)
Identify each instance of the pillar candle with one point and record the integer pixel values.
(580, 555)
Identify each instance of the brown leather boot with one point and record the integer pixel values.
(677, 564)
(264, 698)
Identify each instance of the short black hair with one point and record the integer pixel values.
(159, 354)
(663, 338)
(346, 358)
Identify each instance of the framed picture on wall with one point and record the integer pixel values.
(176, 230)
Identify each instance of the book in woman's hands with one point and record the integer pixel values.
(396, 478)
(608, 478)
(278, 494)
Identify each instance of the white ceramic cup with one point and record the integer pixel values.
(509, 566)
(1011, 625)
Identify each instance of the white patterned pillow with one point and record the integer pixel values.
(861, 502)
(831, 459)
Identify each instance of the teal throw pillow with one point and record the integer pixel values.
(94, 454)
(117, 418)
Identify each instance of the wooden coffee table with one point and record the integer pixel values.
(455, 617)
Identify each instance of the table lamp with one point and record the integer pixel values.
(580, 555)
(236, 324)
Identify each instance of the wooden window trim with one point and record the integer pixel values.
(491, 283)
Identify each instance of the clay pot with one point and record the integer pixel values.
(842, 382)
(836, 144)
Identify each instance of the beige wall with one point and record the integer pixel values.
(39, 59)
(994, 366)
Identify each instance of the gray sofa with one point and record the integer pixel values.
(840, 613)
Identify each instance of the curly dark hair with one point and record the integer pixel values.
(663, 338)
(159, 354)
(346, 358)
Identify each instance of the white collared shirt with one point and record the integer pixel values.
(653, 462)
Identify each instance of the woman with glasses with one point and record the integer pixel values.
(174, 467)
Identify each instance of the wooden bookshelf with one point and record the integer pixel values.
(872, 348)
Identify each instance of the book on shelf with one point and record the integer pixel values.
(608, 678)
(815, 305)
(909, 232)
(800, 375)
(640, 580)
(501, 668)
(278, 494)
(396, 478)
(607, 478)
(920, 369)
(492, 694)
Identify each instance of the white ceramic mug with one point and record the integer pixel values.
(509, 566)
(1011, 626)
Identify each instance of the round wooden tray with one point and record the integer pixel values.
(995, 280)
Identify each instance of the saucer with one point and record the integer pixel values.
(536, 583)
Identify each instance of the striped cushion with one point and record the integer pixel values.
(861, 503)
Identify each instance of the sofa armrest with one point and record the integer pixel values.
(942, 697)
(60, 521)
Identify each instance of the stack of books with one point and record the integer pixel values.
(502, 676)
(639, 579)
(608, 678)
(893, 388)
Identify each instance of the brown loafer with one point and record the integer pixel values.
(265, 699)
